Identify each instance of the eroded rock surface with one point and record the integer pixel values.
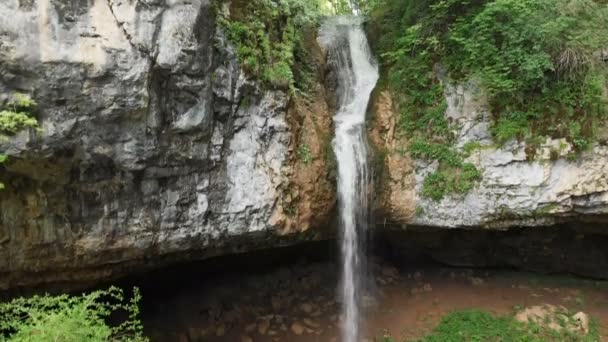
(519, 187)
(154, 144)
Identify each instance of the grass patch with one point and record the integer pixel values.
(476, 325)
(481, 326)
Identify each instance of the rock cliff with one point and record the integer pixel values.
(520, 186)
(154, 146)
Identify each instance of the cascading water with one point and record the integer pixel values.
(357, 74)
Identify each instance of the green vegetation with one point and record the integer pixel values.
(268, 36)
(15, 117)
(304, 154)
(453, 175)
(72, 319)
(538, 61)
(476, 325)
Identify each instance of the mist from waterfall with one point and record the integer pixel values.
(357, 74)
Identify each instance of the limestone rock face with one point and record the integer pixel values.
(154, 144)
(519, 187)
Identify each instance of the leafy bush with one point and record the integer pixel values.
(15, 117)
(453, 175)
(72, 319)
(538, 60)
(268, 35)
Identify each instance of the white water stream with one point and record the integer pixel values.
(357, 74)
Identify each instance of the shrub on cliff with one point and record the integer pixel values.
(538, 61)
(268, 35)
(15, 117)
(72, 318)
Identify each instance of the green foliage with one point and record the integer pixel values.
(268, 35)
(452, 180)
(17, 115)
(470, 147)
(72, 318)
(538, 61)
(304, 154)
(453, 175)
(476, 325)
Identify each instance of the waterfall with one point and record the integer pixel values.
(357, 74)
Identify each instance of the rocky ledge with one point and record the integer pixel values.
(154, 145)
(519, 186)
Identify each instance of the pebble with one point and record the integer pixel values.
(388, 271)
(196, 334)
(263, 327)
(476, 281)
(307, 307)
(297, 328)
(311, 323)
(221, 330)
(276, 302)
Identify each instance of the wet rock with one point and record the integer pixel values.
(196, 334)
(251, 327)
(263, 327)
(425, 288)
(389, 271)
(307, 307)
(311, 323)
(221, 330)
(582, 319)
(276, 302)
(297, 328)
(476, 281)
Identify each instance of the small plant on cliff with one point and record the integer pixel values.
(453, 174)
(304, 154)
(15, 117)
(72, 318)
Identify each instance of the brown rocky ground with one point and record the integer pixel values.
(298, 303)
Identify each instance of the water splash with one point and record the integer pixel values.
(357, 74)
